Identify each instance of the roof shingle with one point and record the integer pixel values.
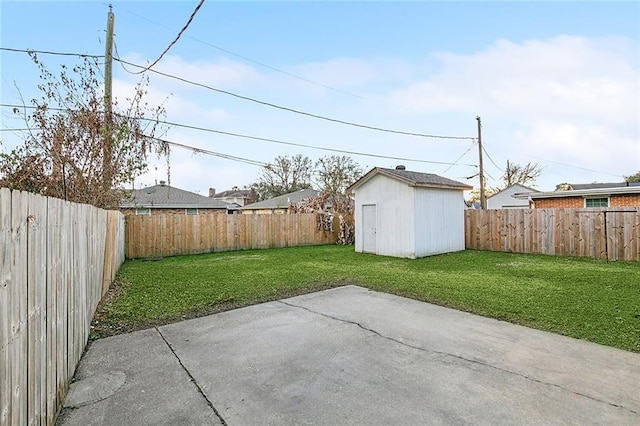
(165, 196)
(414, 179)
(283, 201)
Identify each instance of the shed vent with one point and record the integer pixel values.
(401, 167)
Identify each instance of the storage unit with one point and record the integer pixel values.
(408, 214)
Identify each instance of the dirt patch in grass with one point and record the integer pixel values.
(103, 325)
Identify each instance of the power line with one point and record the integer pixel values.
(245, 58)
(221, 132)
(459, 158)
(575, 167)
(491, 159)
(197, 150)
(295, 111)
(49, 52)
(292, 110)
(175, 40)
(117, 58)
(301, 145)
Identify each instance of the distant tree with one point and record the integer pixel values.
(334, 174)
(513, 174)
(474, 195)
(285, 174)
(63, 155)
(522, 174)
(633, 178)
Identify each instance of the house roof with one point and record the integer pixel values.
(580, 186)
(428, 180)
(283, 201)
(165, 196)
(592, 192)
(234, 193)
(519, 185)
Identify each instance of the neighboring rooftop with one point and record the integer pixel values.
(283, 201)
(580, 186)
(233, 193)
(515, 185)
(633, 188)
(165, 196)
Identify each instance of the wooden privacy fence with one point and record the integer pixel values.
(172, 235)
(56, 261)
(612, 233)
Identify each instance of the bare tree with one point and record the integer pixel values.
(63, 154)
(522, 174)
(285, 174)
(334, 174)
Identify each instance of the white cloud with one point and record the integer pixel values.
(574, 99)
(567, 99)
(216, 72)
(572, 76)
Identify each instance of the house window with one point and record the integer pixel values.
(596, 202)
(143, 212)
(191, 212)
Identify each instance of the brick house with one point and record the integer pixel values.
(578, 196)
(163, 199)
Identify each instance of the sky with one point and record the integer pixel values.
(555, 83)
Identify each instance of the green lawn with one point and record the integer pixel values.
(582, 298)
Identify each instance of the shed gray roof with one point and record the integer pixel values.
(165, 196)
(428, 180)
(282, 201)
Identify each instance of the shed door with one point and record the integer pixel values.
(369, 228)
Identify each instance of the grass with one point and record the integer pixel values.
(582, 298)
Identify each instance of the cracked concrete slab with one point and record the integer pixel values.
(600, 372)
(354, 356)
(155, 389)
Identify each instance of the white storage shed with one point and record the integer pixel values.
(408, 214)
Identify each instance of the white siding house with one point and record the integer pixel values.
(505, 200)
(408, 214)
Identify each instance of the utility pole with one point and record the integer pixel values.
(483, 199)
(107, 152)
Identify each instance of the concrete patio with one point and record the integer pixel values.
(351, 356)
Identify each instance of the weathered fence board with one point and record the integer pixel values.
(612, 233)
(172, 235)
(56, 259)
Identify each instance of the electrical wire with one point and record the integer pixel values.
(491, 159)
(258, 138)
(187, 126)
(460, 158)
(49, 52)
(247, 59)
(175, 40)
(117, 58)
(575, 167)
(197, 150)
(295, 111)
(247, 98)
